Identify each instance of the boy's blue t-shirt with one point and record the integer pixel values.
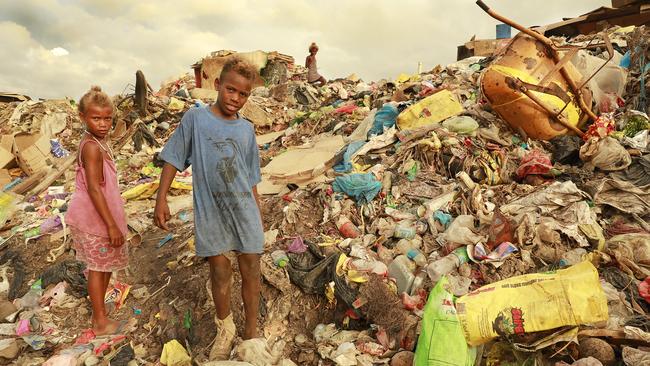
(225, 167)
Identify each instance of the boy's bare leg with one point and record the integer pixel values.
(220, 275)
(249, 266)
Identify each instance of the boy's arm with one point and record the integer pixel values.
(161, 212)
(257, 200)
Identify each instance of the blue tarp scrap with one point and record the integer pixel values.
(363, 188)
(346, 165)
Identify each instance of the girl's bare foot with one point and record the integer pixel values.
(106, 326)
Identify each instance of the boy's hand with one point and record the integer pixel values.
(161, 213)
(115, 236)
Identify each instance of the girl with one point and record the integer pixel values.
(96, 212)
(312, 70)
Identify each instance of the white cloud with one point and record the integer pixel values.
(108, 40)
(59, 51)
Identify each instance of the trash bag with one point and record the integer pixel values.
(174, 354)
(311, 272)
(606, 154)
(566, 149)
(534, 163)
(623, 196)
(346, 165)
(463, 125)
(532, 303)
(441, 340)
(638, 173)
(362, 187)
(70, 271)
(384, 119)
(432, 109)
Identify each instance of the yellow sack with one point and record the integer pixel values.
(532, 303)
(432, 109)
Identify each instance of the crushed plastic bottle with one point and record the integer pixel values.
(402, 270)
(405, 229)
(280, 258)
(447, 264)
(347, 228)
(416, 256)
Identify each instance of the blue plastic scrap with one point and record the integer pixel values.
(384, 118)
(361, 187)
(346, 165)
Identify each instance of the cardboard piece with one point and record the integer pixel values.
(6, 157)
(5, 178)
(269, 137)
(32, 152)
(301, 165)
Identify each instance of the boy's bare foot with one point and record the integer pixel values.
(106, 326)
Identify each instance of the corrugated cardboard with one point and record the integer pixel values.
(5, 178)
(32, 152)
(6, 157)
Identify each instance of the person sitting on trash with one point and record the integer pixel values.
(221, 147)
(313, 76)
(96, 214)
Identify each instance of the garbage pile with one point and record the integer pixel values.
(468, 215)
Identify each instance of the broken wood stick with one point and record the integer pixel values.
(52, 175)
(29, 182)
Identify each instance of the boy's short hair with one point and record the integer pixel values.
(240, 66)
(94, 96)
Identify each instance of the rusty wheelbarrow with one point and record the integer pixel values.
(534, 87)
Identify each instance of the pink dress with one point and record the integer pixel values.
(89, 232)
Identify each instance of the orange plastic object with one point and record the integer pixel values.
(530, 61)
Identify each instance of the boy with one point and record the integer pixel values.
(221, 147)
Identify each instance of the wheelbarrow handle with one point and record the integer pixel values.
(483, 5)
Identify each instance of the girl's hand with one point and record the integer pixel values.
(115, 236)
(161, 213)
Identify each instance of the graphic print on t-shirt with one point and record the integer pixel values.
(227, 150)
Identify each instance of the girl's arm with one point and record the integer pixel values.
(93, 163)
(307, 61)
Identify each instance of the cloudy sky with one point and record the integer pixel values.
(57, 48)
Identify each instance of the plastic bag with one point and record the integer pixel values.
(174, 354)
(566, 149)
(532, 303)
(500, 230)
(441, 341)
(384, 119)
(463, 125)
(534, 163)
(432, 109)
(7, 206)
(362, 187)
(345, 166)
(606, 154)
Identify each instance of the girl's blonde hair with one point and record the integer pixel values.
(94, 96)
(313, 46)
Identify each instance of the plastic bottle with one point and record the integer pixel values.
(417, 257)
(418, 282)
(403, 246)
(447, 264)
(347, 228)
(402, 270)
(280, 258)
(405, 229)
